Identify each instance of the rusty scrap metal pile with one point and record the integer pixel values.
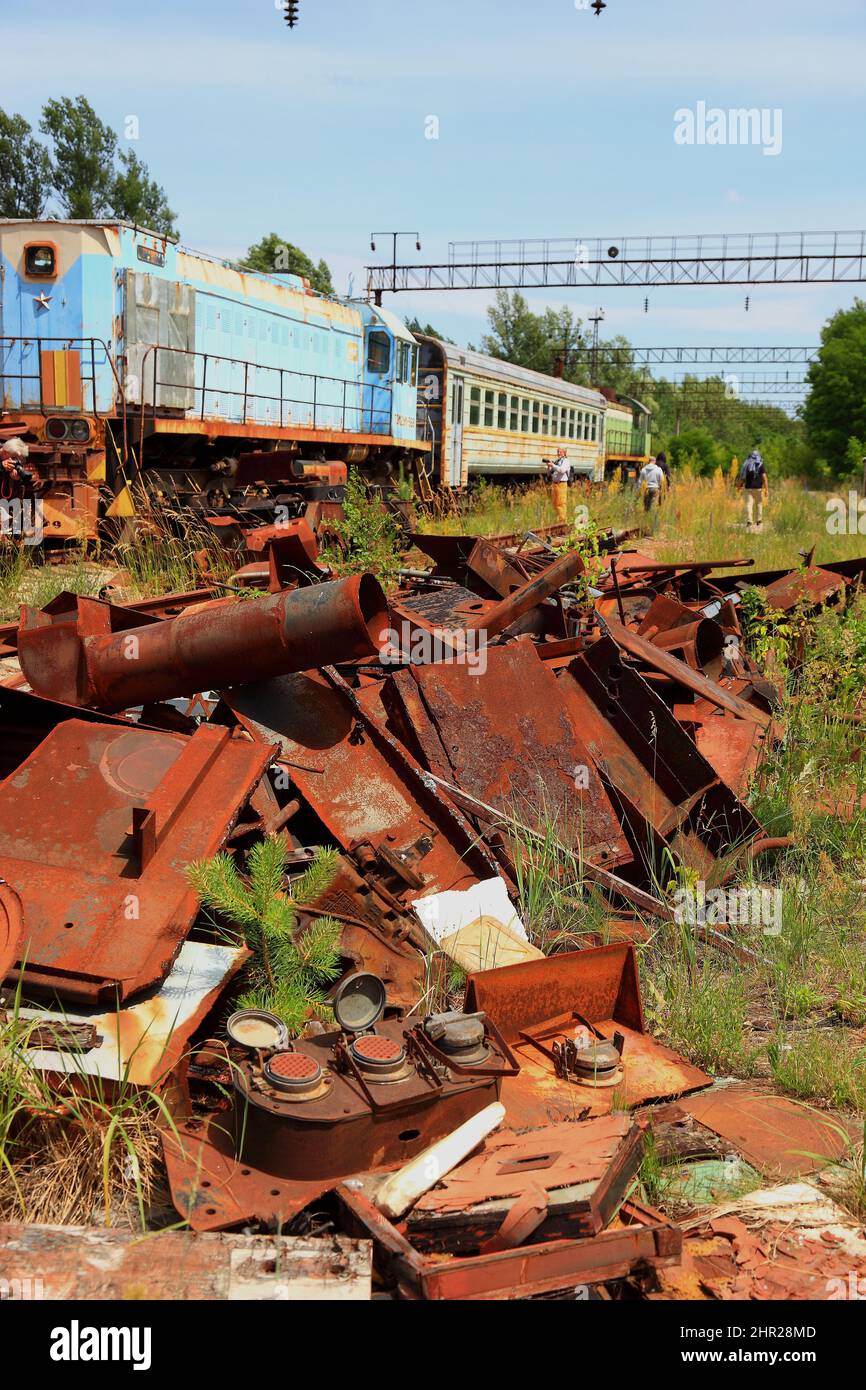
(488, 1151)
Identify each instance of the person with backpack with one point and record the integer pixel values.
(754, 483)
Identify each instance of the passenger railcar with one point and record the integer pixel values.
(627, 434)
(488, 418)
(119, 351)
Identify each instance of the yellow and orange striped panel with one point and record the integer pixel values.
(61, 377)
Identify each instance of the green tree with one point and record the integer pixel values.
(82, 168)
(25, 169)
(289, 972)
(517, 334)
(426, 330)
(274, 255)
(138, 198)
(835, 409)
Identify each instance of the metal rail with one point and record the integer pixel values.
(755, 258)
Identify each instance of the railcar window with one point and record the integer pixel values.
(554, 421)
(40, 260)
(571, 424)
(536, 415)
(524, 415)
(488, 409)
(475, 406)
(378, 353)
(545, 418)
(594, 428)
(502, 412)
(586, 425)
(413, 355)
(515, 410)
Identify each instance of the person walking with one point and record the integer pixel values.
(651, 481)
(559, 473)
(755, 486)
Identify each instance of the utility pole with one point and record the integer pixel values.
(393, 267)
(595, 319)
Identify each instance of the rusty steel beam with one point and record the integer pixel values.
(86, 653)
(564, 569)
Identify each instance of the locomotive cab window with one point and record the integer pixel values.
(475, 405)
(378, 353)
(41, 261)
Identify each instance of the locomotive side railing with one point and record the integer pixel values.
(88, 349)
(246, 402)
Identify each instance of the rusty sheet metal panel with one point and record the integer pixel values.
(96, 829)
(367, 790)
(782, 1137)
(650, 761)
(142, 1043)
(507, 732)
(734, 748)
(811, 587)
(540, 997)
(11, 928)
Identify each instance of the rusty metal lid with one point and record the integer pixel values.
(359, 1002)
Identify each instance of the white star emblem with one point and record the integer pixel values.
(43, 300)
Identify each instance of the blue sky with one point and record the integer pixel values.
(551, 123)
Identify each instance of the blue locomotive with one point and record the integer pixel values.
(124, 356)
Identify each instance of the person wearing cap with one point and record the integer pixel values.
(559, 473)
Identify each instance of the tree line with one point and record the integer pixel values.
(701, 420)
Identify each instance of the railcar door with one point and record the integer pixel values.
(377, 381)
(455, 461)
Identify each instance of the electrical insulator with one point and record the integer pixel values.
(291, 12)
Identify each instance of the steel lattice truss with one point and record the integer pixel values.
(757, 258)
(696, 356)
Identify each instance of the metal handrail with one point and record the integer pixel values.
(25, 340)
(246, 396)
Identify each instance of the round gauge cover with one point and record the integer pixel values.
(359, 1002)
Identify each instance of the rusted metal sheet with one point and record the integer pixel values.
(584, 1170)
(656, 772)
(680, 672)
(811, 587)
(506, 731)
(364, 786)
(539, 1002)
(640, 1239)
(734, 748)
(143, 1043)
(782, 1137)
(97, 826)
(63, 1263)
(89, 653)
(11, 928)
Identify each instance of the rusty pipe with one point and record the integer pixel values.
(566, 568)
(226, 644)
(699, 642)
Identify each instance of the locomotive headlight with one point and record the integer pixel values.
(56, 429)
(79, 430)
